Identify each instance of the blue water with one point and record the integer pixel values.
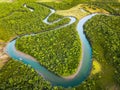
(54, 79)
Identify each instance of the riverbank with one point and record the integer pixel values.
(84, 66)
(3, 57)
(78, 68)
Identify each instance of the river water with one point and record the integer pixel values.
(86, 59)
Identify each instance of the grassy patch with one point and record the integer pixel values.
(107, 75)
(81, 11)
(75, 11)
(96, 67)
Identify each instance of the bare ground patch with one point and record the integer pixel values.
(3, 57)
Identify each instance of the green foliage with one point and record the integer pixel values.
(103, 33)
(16, 76)
(65, 4)
(112, 7)
(58, 50)
(20, 20)
(108, 28)
(92, 83)
(54, 17)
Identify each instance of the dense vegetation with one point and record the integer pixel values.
(102, 31)
(20, 20)
(18, 76)
(54, 17)
(57, 50)
(104, 35)
(111, 7)
(67, 4)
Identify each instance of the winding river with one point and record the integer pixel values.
(85, 62)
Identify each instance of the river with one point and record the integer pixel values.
(85, 62)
